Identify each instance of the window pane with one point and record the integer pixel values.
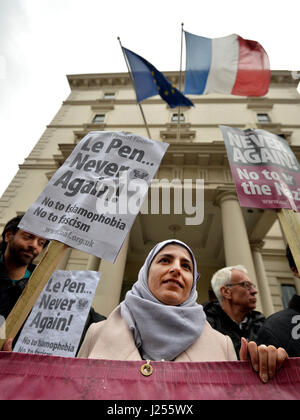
(263, 118)
(174, 118)
(99, 118)
(288, 291)
(109, 95)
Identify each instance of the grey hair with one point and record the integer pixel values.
(222, 277)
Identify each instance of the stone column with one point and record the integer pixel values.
(62, 265)
(236, 243)
(93, 263)
(108, 292)
(262, 279)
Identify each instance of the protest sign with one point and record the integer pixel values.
(264, 168)
(92, 200)
(54, 253)
(55, 324)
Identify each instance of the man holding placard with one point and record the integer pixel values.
(18, 250)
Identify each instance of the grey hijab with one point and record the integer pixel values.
(162, 331)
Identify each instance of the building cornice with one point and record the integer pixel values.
(112, 127)
(196, 154)
(96, 80)
(209, 154)
(37, 165)
(197, 151)
(257, 103)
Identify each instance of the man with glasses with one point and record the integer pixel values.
(234, 314)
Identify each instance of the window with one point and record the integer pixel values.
(109, 95)
(287, 291)
(263, 118)
(174, 118)
(99, 119)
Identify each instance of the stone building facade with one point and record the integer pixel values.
(228, 235)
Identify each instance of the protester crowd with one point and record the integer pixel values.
(160, 318)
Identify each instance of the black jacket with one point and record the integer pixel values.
(282, 329)
(221, 322)
(9, 293)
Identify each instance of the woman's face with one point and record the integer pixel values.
(170, 277)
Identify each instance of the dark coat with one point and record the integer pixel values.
(9, 293)
(221, 322)
(282, 329)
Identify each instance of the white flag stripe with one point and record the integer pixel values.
(224, 65)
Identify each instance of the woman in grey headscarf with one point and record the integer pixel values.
(160, 319)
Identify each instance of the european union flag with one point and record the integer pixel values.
(149, 82)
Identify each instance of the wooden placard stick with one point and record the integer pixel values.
(291, 228)
(33, 289)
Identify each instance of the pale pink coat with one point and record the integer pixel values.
(113, 340)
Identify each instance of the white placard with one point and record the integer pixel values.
(55, 324)
(91, 201)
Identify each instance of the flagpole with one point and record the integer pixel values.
(130, 75)
(180, 83)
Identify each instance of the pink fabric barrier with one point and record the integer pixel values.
(36, 377)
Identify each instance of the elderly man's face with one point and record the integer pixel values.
(243, 291)
(23, 247)
(170, 277)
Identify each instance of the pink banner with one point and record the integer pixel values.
(36, 377)
(263, 188)
(264, 168)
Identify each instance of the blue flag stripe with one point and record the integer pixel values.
(198, 62)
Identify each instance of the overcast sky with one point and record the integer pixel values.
(41, 41)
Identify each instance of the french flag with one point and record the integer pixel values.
(228, 65)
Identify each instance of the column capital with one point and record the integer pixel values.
(257, 245)
(223, 194)
(93, 263)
